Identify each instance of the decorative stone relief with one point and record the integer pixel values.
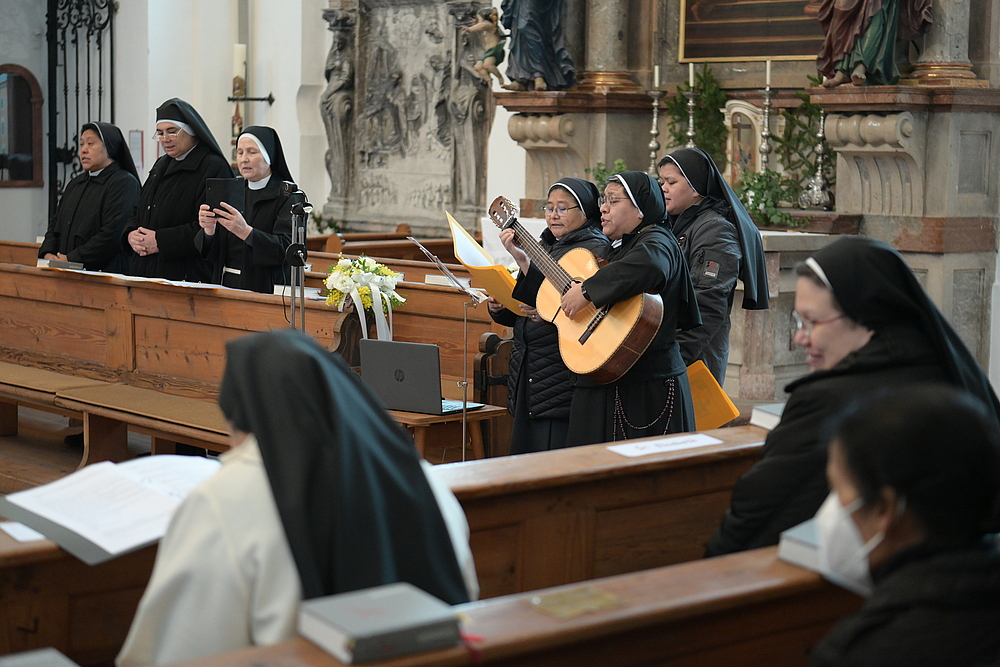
(337, 107)
(407, 118)
(880, 162)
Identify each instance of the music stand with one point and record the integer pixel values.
(477, 298)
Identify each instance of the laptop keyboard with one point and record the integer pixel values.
(448, 406)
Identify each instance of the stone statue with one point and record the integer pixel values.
(337, 105)
(538, 56)
(860, 38)
(486, 24)
(470, 128)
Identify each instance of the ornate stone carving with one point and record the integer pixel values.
(557, 146)
(879, 162)
(337, 107)
(407, 119)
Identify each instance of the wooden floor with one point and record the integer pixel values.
(37, 454)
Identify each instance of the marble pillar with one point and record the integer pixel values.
(607, 48)
(944, 60)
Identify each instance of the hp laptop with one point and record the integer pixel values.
(407, 376)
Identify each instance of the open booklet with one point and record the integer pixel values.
(106, 509)
(486, 273)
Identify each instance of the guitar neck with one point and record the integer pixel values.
(540, 257)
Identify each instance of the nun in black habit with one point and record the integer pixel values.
(866, 324)
(653, 397)
(248, 251)
(322, 493)
(92, 213)
(158, 241)
(540, 387)
(720, 243)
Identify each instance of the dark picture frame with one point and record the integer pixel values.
(21, 163)
(745, 30)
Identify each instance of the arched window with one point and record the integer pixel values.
(20, 128)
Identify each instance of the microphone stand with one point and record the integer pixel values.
(477, 298)
(296, 254)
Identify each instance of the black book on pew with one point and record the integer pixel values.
(105, 510)
(378, 623)
(59, 264)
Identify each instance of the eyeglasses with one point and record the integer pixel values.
(171, 133)
(807, 326)
(607, 200)
(561, 210)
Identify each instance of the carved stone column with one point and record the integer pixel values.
(919, 164)
(944, 60)
(607, 49)
(337, 109)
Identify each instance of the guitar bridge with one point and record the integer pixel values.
(601, 314)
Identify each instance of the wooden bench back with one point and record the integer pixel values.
(745, 609)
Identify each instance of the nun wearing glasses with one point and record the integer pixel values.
(158, 241)
(653, 397)
(865, 324)
(248, 252)
(539, 386)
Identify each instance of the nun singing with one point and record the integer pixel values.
(653, 397)
(248, 251)
(159, 239)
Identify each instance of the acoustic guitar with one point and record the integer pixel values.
(600, 343)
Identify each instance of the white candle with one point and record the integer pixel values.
(656, 76)
(768, 75)
(691, 75)
(239, 59)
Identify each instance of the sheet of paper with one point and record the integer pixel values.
(467, 250)
(671, 444)
(112, 509)
(174, 476)
(20, 532)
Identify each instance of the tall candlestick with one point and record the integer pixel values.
(691, 75)
(767, 79)
(239, 59)
(656, 76)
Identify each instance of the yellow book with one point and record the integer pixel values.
(712, 407)
(486, 273)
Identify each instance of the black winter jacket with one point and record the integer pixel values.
(935, 608)
(712, 249)
(536, 344)
(788, 485)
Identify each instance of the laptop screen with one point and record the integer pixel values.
(406, 376)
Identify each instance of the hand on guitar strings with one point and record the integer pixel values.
(573, 301)
(507, 238)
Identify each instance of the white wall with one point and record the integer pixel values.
(22, 42)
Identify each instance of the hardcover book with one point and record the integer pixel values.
(378, 623)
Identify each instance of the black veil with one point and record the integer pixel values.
(353, 499)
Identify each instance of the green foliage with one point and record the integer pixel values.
(761, 192)
(600, 175)
(796, 147)
(710, 133)
(325, 225)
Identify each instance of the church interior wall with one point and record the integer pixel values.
(22, 42)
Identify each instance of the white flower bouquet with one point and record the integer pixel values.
(370, 286)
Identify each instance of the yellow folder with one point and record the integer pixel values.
(712, 407)
(485, 272)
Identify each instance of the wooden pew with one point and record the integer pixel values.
(536, 520)
(414, 271)
(334, 242)
(50, 598)
(746, 609)
(402, 249)
(13, 252)
(568, 515)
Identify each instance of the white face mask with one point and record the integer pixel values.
(843, 553)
